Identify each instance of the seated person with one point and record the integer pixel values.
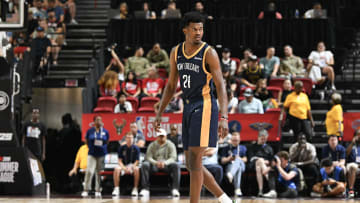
(284, 179)
(315, 12)
(291, 65)
(160, 156)
(334, 151)
(270, 12)
(123, 106)
(55, 33)
(199, 7)
(171, 11)
(139, 138)
(80, 164)
(174, 136)
(131, 87)
(229, 80)
(128, 159)
(116, 65)
(233, 157)
(123, 12)
(352, 168)
(286, 90)
(153, 85)
(37, 10)
(265, 96)
(259, 156)
(243, 63)
(149, 14)
(59, 12)
(252, 73)
(250, 104)
(109, 84)
(227, 61)
(138, 63)
(332, 183)
(233, 102)
(210, 162)
(158, 57)
(270, 63)
(176, 105)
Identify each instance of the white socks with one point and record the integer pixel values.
(224, 199)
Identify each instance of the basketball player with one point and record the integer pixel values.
(198, 66)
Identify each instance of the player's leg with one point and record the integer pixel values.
(194, 165)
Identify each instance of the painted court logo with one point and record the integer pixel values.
(4, 100)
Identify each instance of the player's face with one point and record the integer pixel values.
(194, 32)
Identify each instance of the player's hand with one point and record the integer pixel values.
(223, 128)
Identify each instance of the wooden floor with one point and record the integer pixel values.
(162, 200)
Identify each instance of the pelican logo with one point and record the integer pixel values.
(4, 100)
(261, 126)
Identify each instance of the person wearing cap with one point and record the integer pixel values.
(334, 117)
(250, 104)
(252, 73)
(41, 49)
(259, 156)
(298, 105)
(160, 156)
(228, 62)
(138, 64)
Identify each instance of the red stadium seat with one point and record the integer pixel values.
(134, 102)
(109, 102)
(242, 90)
(307, 84)
(146, 109)
(162, 73)
(274, 110)
(275, 91)
(276, 82)
(149, 101)
(103, 110)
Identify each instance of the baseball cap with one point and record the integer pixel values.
(161, 132)
(248, 92)
(253, 58)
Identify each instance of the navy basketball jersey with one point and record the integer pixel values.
(195, 81)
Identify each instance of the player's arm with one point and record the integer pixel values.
(169, 89)
(212, 59)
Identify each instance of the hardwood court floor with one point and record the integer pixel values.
(162, 200)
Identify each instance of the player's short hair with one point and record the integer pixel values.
(192, 17)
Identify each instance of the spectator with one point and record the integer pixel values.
(291, 65)
(334, 117)
(171, 11)
(174, 136)
(264, 95)
(123, 106)
(259, 155)
(124, 12)
(321, 61)
(229, 80)
(250, 104)
(210, 162)
(270, 63)
(270, 12)
(334, 152)
(234, 158)
(315, 12)
(59, 12)
(38, 12)
(20, 43)
(252, 73)
(286, 90)
(139, 138)
(70, 4)
(199, 7)
(352, 168)
(56, 34)
(131, 87)
(109, 84)
(160, 156)
(41, 49)
(149, 14)
(128, 159)
(176, 105)
(233, 102)
(158, 57)
(97, 139)
(284, 179)
(243, 63)
(303, 155)
(34, 135)
(116, 65)
(332, 182)
(298, 105)
(137, 63)
(79, 165)
(153, 85)
(228, 62)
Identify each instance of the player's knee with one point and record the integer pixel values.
(193, 164)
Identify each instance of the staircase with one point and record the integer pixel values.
(74, 58)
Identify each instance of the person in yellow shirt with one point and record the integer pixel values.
(334, 117)
(298, 105)
(80, 160)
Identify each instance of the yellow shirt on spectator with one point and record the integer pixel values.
(298, 105)
(332, 120)
(81, 156)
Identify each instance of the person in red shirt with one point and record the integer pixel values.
(109, 84)
(153, 85)
(131, 87)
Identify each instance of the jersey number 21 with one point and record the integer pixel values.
(186, 79)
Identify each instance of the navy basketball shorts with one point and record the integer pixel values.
(200, 124)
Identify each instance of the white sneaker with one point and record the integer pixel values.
(116, 191)
(145, 193)
(84, 194)
(97, 194)
(175, 193)
(238, 192)
(134, 192)
(322, 95)
(333, 87)
(230, 177)
(74, 22)
(271, 194)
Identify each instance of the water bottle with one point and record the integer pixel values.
(47, 190)
(297, 14)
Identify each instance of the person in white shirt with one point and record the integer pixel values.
(315, 12)
(250, 104)
(233, 102)
(321, 61)
(123, 106)
(226, 61)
